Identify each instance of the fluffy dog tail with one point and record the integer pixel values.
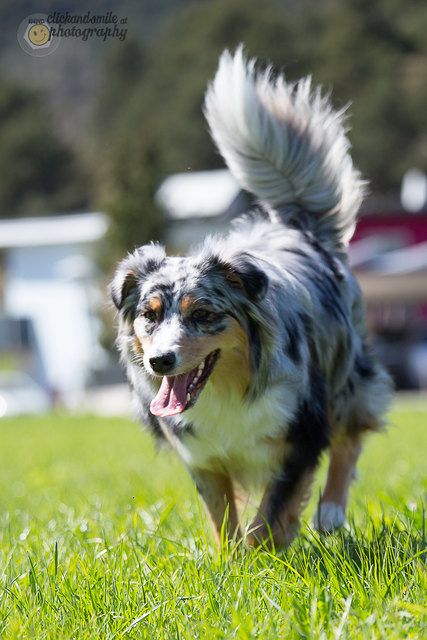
(285, 144)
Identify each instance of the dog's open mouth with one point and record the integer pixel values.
(180, 392)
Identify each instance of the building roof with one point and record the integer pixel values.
(197, 194)
(52, 230)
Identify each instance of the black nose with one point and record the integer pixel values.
(164, 363)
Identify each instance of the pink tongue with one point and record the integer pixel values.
(171, 398)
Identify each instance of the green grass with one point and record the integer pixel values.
(102, 537)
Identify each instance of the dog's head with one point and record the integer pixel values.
(190, 321)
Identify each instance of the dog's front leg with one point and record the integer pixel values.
(217, 492)
(307, 436)
(277, 520)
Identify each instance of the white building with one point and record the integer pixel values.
(49, 281)
(198, 203)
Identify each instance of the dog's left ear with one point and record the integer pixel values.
(243, 274)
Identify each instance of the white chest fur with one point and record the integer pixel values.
(230, 434)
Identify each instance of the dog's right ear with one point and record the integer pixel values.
(123, 285)
(131, 272)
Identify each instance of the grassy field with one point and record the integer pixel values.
(102, 537)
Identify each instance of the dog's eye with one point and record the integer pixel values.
(200, 314)
(150, 315)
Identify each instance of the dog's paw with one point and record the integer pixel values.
(271, 539)
(328, 516)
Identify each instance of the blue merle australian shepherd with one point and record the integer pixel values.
(249, 355)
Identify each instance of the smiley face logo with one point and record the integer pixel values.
(36, 36)
(39, 35)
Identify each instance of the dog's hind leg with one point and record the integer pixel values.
(217, 492)
(330, 513)
(359, 408)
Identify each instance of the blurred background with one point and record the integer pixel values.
(103, 147)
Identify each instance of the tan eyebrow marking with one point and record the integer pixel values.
(186, 303)
(155, 304)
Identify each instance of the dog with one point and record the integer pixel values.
(250, 354)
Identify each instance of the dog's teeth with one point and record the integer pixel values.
(200, 369)
(188, 397)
